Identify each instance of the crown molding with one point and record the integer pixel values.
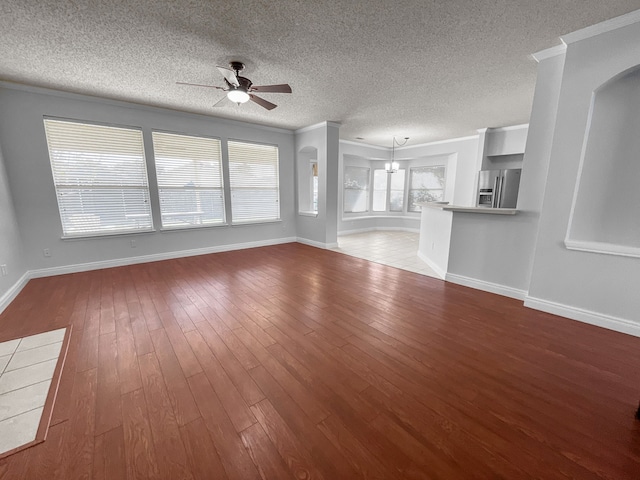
(138, 106)
(588, 32)
(549, 52)
(317, 125)
(439, 142)
(397, 149)
(365, 145)
(510, 128)
(602, 27)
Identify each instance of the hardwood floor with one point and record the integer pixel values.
(294, 362)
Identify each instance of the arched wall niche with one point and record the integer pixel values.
(605, 215)
(308, 172)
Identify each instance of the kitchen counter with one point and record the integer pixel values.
(483, 210)
(436, 224)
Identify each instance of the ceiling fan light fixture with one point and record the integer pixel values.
(238, 96)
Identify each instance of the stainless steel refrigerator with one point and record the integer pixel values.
(498, 188)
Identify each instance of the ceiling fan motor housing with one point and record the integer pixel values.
(236, 67)
(245, 83)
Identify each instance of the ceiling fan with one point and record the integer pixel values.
(240, 89)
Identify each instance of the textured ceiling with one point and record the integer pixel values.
(425, 69)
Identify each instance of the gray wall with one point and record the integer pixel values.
(499, 249)
(11, 253)
(332, 187)
(320, 230)
(601, 288)
(610, 173)
(29, 173)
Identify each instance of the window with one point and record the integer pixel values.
(383, 195)
(100, 178)
(396, 192)
(314, 186)
(189, 171)
(380, 178)
(356, 189)
(426, 185)
(254, 182)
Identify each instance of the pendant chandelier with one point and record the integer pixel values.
(393, 166)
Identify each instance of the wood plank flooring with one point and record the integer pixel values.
(294, 362)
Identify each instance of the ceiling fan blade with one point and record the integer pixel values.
(220, 102)
(281, 88)
(262, 102)
(229, 75)
(199, 85)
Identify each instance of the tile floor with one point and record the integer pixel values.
(26, 369)
(394, 248)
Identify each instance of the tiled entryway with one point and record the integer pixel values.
(27, 366)
(394, 248)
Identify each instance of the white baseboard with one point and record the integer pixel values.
(582, 315)
(379, 229)
(313, 243)
(120, 262)
(486, 286)
(441, 273)
(13, 292)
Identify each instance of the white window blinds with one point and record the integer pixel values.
(254, 182)
(100, 178)
(189, 173)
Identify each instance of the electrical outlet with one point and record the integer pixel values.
(133, 243)
(3, 270)
(46, 252)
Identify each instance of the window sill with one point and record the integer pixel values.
(106, 235)
(308, 214)
(405, 216)
(193, 227)
(602, 247)
(255, 222)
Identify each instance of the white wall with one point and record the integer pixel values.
(29, 173)
(495, 252)
(11, 253)
(435, 238)
(593, 287)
